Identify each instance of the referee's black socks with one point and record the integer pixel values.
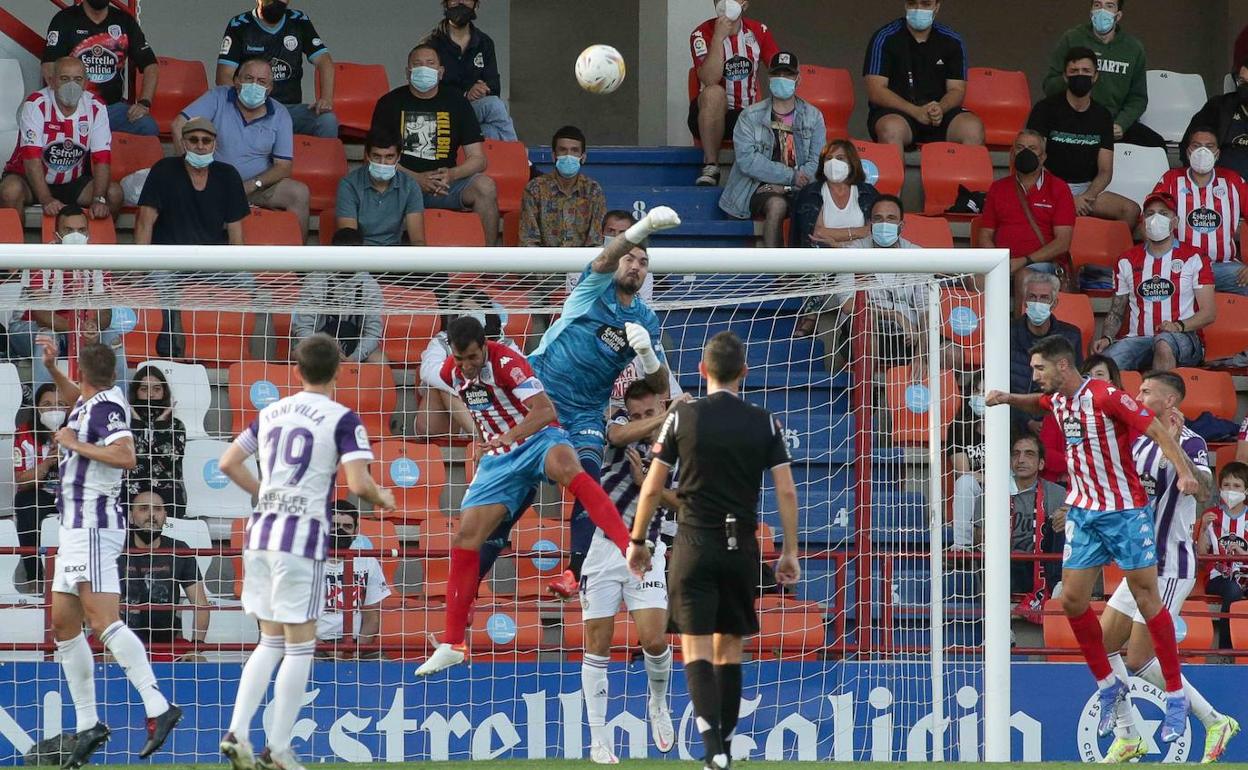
(705, 694)
(728, 677)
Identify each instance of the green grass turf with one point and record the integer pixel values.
(637, 764)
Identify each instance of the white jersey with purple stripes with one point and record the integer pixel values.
(617, 480)
(300, 441)
(90, 494)
(1175, 511)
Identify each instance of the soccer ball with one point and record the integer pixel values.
(600, 69)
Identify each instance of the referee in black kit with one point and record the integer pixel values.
(723, 445)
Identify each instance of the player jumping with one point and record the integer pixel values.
(524, 445)
(1121, 623)
(301, 440)
(1110, 516)
(96, 449)
(606, 581)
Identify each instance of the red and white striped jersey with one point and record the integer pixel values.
(62, 285)
(743, 53)
(65, 143)
(1227, 532)
(496, 396)
(1243, 430)
(1099, 423)
(1208, 216)
(1160, 289)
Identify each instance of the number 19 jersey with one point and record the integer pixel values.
(300, 442)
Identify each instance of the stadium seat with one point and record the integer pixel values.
(962, 323)
(927, 232)
(789, 629)
(99, 231)
(1057, 633)
(1195, 616)
(190, 392)
(357, 87)
(436, 533)
(405, 335)
(1002, 100)
(141, 339)
(11, 227)
(883, 165)
(946, 165)
(766, 541)
(511, 229)
(132, 152)
(832, 91)
(254, 385)
(1136, 170)
(409, 632)
(1223, 455)
(22, 625)
(320, 164)
(181, 82)
(225, 626)
(453, 228)
(1228, 334)
(534, 535)
(1111, 576)
(435, 570)
(208, 492)
(1239, 627)
(1076, 309)
(8, 561)
(504, 630)
(10, 398)
(623, 632)
(12, 93)
(508, 166)
(909, 400)
(266, 227)
(414, 472)
(1208, 391)
(326, 224)
(193, 533)
(1098, 242)
(216, 337)
(1131, 382)
(1173, 98)
(382, 535)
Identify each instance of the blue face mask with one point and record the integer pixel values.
(252, 95)
(920, 19)
(197, 160)
(382, 172)
(1039, 312)
(423, 78)
(885, 233)
(782, 88)
(1103, 21)
(568, 166)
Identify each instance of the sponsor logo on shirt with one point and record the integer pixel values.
(1072, 427)
(612, 337)
(54, 37)
(737, 68)
(63, 156)
(1150, 487)
(281, 70)
(117, 421)
(100, 63)
(1156, 289)
(477, 397)
(1204, 220)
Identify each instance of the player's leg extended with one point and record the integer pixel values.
(652, 634)
(699, 654)
(1116, 629)
(76, 659)
(289, 686)
(1143, 584)
(598, 633)
(564, 469)
(1077, 585)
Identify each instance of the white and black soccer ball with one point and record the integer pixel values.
(600, 69)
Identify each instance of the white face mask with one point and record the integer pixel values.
(730, 8)
(836, 170)
(74, 239)
(52, 419)
(1232, 498)
(1157, 227)
(1202, 160)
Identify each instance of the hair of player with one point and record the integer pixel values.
(317, 356)
(1235, 470)
(346, 507)
(425, 45)
(348, 236)
(724, 357)
(639, 389)
(1029, 437)
(570, 132)
(618, 214)
(380, 139)
(1170, 380)
(67, 211)
(1078, 53)
(464, 331)
(856, 174)
(98, 363)
(889, 198)
(1095, 360)
(1053, 348)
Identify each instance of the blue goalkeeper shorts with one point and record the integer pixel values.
(587, 431)
(1095, 538)
(508, 479)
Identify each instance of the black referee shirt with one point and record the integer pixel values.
(723, 445)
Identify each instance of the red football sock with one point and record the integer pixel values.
(1088, 633)
(1161, 629)
(601, 510)
(461, 590)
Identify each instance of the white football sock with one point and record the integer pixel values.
(659, 673)
(1204, 711)
(128, 651)
(594, 688)
(288, 690)
(254, 682)
(78, 665)
(1124, 717)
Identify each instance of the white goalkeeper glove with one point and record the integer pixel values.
(639, 341)
(659, 218)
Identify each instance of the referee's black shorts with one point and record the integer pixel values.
(711, 590)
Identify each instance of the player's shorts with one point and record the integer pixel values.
(711, 589)
(88, 555)
(1174, 591)
(282, 587)
(508, 479)
(1095, 538)
(587, 431)
(606, 581)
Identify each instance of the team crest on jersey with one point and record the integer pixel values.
(612, 337)
(1204, 220)
(477, 397)
(1072, 427)
(114, 31)
(54, 37)
(290, 42)
(517, 375)
(1156, 289)
(479, 60)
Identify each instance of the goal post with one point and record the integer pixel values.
(899, 672)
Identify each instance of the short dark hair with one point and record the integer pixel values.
(569, 132)
(68, 210)
(618, 214)
(724, 357)
(380, 139)
(887, 198)
(424, 45)
(347, 236)
(98, 364)
(464, 331)
(347, 507)
(1096, 359)
(1170, 380)
(317, 356)
(1078, 53)
(639, 388)
(1236, 469)
(1053, 348)
(1028, 437)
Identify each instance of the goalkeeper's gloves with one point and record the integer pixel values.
(639, 341)
(659, 218)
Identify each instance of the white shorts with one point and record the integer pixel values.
(1174, 591)
(88, 555)
(282, 587)
(606, 581)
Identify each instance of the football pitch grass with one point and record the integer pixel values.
(632, 764)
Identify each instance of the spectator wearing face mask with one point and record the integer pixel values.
(1223, 529)
(1039, 294)
(36, 475)
(346, 306)
(159, 440)
(364, 592)
(1211, 202)
(563, 207)
(835, 208)
(377, 200)
(777, 143)
(284, 37)
(1227, 115)
(471, 66)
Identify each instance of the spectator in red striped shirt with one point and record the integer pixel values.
(1224, 529)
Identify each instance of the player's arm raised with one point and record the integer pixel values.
(1162, 436)
(48, 349)
(1026, 401)
(118, 454)
(363, 486)
(623, 434)
(659, 218)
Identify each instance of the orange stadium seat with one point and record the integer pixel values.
(238, 539)
(1131, 382)
(511, 228)
(1239, 628)
(436, 533)
(409, 631)
(215, 338)
(788, 628)
(181, 82)
(327, 223)
(1208, 391)
(832, 91)
(435, 571)
(508, 166)
(98, 230)
(1098, 242)
(623, 632)
(766, 542)
(928, 232)
(1228, 334)
(505, 630)
(383, 535)
(534, 534)
(888, 162)
(962, 322)
(366, 388)
(977, 225)
(320, 164)
(1223, 455)
(132, 153)
(357, 87)
(1002, 100)
(11, 227)
(414, 472)
(254, 385)
(1076, 309)
(909, 401)
(1195, 615)
(946, 165)
(265, 227)
(1111, 576)
(453, 228)
(141, 340)
(404, 334)
(1057, 633)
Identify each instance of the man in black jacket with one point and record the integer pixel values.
(1228, 115)
(471, 66)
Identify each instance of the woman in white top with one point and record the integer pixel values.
(834, 209)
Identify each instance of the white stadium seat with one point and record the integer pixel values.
(194, 533)
(10, 398)
(190, 392)
(8, 487)
(208, 492)
(225, 626)
(1173, 98)
(12, 93)
(1137, 170)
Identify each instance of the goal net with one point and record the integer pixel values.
(893, 645)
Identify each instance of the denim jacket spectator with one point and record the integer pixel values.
(754, 142)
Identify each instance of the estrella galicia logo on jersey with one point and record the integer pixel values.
(100, 63)
(1072, 427)
(281, 70)
(63, 156)
(613, 338)
(476, 397)
(1204, 220)
(1150, 487)
(1149, 702)
(737, 68)
(1156, 289)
